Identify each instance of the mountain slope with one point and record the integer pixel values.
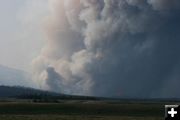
(16, 91)
(11, 77)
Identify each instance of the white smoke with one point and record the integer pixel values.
(110, 47)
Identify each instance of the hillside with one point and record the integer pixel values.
(18, 92)
(14, 77)
(22, 92)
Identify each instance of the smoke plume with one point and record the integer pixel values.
(124, 48)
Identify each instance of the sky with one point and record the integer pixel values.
(20, 31)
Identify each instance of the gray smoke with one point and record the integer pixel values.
(125, 48)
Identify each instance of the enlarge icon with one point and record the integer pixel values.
(172, 112)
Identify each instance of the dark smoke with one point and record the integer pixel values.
(122, 48)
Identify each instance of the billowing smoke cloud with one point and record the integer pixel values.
(125, 48)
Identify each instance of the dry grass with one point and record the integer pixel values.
(66, 117)
(81, 111)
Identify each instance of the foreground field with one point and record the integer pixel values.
(81, 111)
(61, 117)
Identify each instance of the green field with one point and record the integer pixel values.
(81, 111)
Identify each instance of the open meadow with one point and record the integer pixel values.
(60, 117)
(78, 110)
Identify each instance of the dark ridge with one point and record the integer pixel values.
(18, 91)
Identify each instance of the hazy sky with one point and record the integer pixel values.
(20, 31)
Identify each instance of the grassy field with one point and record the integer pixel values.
(81, 111)
(60, 117)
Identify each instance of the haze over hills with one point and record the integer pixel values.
(14, 77)
(17, 91)
(16, 83)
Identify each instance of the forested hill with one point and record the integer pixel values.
(16, 91)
